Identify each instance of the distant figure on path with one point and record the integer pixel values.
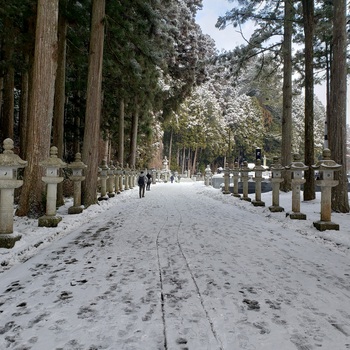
(149, 181)
(172, 178)
(141, 181)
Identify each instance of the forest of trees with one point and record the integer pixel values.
(136, 81)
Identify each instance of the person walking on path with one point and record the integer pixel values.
(141, 181)
(149, 181)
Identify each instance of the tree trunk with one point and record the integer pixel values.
(133, 137)
(337, 120)
(308, 12)
(286, 148)
(23, 111)
(59, 101)
(183, 160)
(9, 86)
(90, 155)
(170, 147)
(40, 110)
(121, 133)
(2, 137)
(194, 167)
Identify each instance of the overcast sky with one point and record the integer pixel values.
(225, 39)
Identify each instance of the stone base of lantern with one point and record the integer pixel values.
(8, 240)
(236, 195)
(248, 199)
(326, 225)
(49, 221)
(276, 209)
(103, 198)
(111, 194)
(296, 216)
(75, 210)
(258, 203)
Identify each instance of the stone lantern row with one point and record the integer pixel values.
(113, 180)
(326, 168)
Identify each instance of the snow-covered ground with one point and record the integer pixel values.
(186, 267)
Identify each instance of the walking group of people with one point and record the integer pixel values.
(144, 182)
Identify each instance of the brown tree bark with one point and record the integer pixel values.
(286, 147)
(90, 154)
(59, 100)
(40, 110)
(23, 111)
(133, 137)
(121, 133)
(337, 118)
(308, 12)
(9, 86)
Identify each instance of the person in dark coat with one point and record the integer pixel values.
(141, 181)
(149, 181)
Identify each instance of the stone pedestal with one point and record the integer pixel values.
(235, 173)
(126, 177)
(226, 180)
(77, 177)
(207, 175)
(326, 168)
(297, 169)
(103, 179)
(244, 177)
(52, 165)
(276, 180)
(111, 180)
(258, 178)
(9, 164)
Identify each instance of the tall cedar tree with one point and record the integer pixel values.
(337, 118)
(41, 100)
(286, 147)
(309, 28)
(90, 154)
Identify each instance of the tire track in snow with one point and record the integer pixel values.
(168, 298)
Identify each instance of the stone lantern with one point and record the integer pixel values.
(226, 180)
(258, 169)
(110, 180)
(103, 170)
(154, 176)
(276, 179)
(116, 178)
(9, 164)
(297, 168)
(52, 164)
(235, 173)
(245, 177)
(207, 175)
(132, 177)
(77, 177)
(126, 177)
(326, 168)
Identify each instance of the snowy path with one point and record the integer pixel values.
(180, 270)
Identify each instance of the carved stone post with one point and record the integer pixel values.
(245, 177)
(111, 180)
(103, 178)
(9, 163)
(297, 169)
(226, 180)
(276, 180)
(52, 178)
(235, 173)
(326, 181)
(77, 177)
(258, 169)
(207, 175)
